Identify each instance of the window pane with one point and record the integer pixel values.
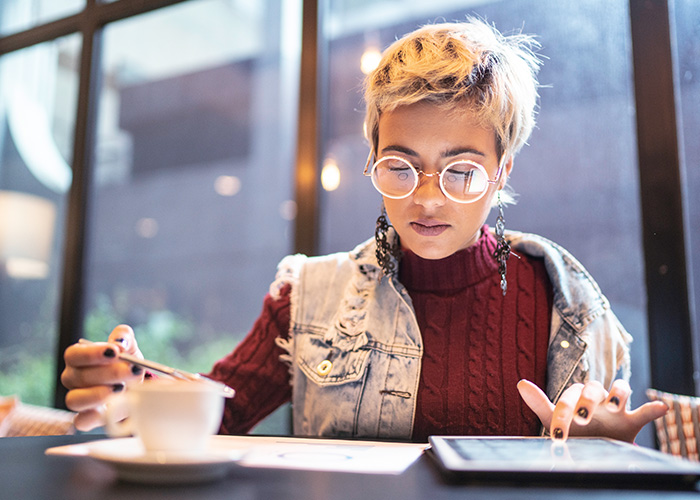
(38, 89)
(577, 181)
(190, 204)
(687, 20)
(19, 15)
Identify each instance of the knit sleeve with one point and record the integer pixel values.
(254, 369)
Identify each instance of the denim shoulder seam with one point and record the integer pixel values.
(572, 313)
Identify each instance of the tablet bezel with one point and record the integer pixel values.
(659, 469)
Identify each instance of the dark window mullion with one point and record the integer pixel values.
(308, 142)
(72, 298)
(40, 34)
(670, 337)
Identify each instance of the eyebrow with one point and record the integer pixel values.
(445, 154)
(460, 151)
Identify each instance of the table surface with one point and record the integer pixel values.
(27, 473)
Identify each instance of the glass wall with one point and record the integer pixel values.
(190, 205)
(38, 92)
(687, 30)
(577, 180)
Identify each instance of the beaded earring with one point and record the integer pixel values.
(388, 254)
(502, 246)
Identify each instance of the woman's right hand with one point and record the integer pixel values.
(93, 372)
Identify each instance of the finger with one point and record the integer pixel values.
(618, 396)
(537, 400)
(123, 335)
(564, 412)
(89, 376)
(91, 397)
(99, 353)
(89, 419)
(592, 394)
(648, 412)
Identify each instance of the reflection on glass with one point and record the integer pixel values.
(26, 234)
(577, 180)
(19, 15)
(194, 162)
(687, 24)
(38, 89)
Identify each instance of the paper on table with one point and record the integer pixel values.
(368, 457)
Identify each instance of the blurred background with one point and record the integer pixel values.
(149, 151)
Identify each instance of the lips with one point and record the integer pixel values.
(429, 227)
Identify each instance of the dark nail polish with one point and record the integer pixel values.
(615, 401)
(109, 353)
(118, 387)
(582, 412)
(136, 370)
(558, 433)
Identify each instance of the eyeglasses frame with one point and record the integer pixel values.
(368, 173)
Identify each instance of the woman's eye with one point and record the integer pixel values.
(460, 174)
(397, 166)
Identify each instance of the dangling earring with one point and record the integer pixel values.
(502, 246)
(388, 254)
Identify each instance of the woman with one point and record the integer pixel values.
(437, 325)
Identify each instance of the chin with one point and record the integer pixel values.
(431, 253)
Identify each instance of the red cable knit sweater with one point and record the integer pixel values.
(477, 343)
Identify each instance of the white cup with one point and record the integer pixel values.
(171, 416)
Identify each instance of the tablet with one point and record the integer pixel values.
(594, 461)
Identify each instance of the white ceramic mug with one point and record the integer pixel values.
(167, 415)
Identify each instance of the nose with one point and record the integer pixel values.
(428, 192)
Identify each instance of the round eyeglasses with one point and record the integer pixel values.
(462, 181)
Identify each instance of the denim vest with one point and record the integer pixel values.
(355, 348)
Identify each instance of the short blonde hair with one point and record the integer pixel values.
(453, 63)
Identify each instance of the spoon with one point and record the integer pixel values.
(169, 371)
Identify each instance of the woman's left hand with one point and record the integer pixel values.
(590, 410)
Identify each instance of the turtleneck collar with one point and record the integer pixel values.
(461, 269)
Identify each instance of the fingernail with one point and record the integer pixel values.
(614, 401)
(109, 353)
(558, 433)
(136, 370)
(582, 412)
(118, 387)
(124, 342)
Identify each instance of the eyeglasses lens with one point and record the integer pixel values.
(394, 178)
(464, 181)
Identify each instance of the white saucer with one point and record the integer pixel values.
(127, 457)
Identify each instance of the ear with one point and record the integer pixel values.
(506, 173)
